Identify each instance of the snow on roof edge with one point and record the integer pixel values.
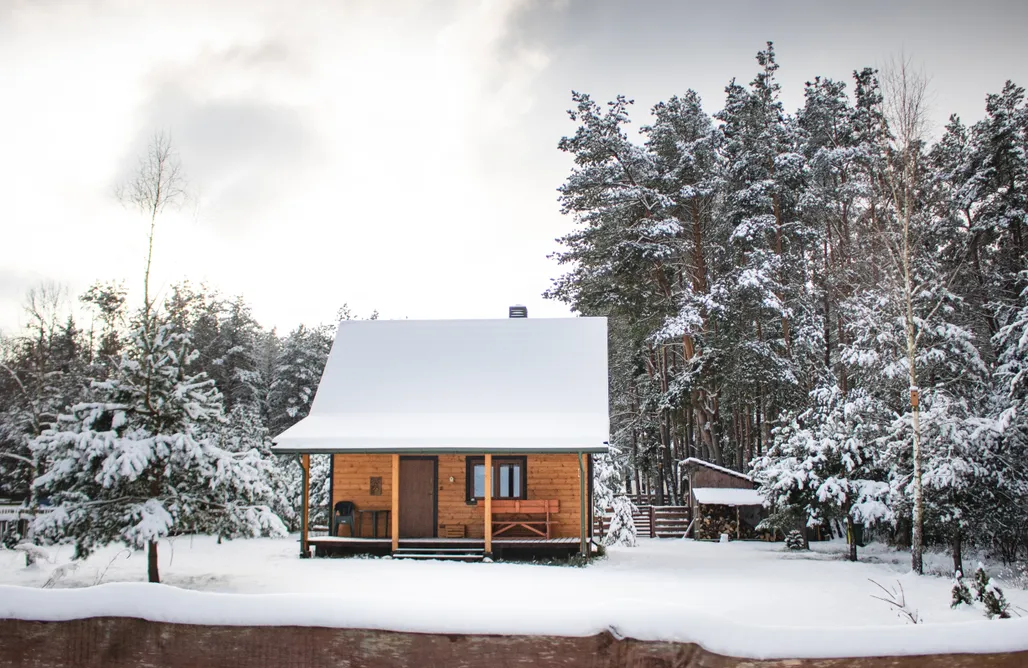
(727, 496)
(711, 465)
(313, 449)
(162, 603)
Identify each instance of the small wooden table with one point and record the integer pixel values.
(374, 512)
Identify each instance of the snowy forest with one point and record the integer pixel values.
(831, 300)
(227, 386)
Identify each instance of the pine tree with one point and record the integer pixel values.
(961, 594)
(608, 496)
(298, 371)
(139, 460)
(243, 432)
(108, 303)
(823, 463)
(763, 173)
(41, 372)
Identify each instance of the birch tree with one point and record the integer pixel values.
(903, 135)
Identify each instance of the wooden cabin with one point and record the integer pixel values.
(460, 438)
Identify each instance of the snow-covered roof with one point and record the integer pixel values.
(726, 496)
(693, 461)
(470, 386)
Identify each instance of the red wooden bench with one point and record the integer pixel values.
(533, 515)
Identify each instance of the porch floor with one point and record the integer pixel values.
(503, 548)
(456, 542)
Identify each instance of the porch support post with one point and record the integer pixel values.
(584, 546)
(488, 504)
(305, 464)
(395, 513)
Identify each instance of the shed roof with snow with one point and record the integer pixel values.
(693, 463)
(727, 496)
(512, 385)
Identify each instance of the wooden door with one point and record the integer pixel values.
(417, 497)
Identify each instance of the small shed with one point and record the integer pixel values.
(722, 501)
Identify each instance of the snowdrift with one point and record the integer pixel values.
(568, 619)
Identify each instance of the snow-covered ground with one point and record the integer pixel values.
(747, 599)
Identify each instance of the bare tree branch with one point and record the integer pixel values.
(158, 184)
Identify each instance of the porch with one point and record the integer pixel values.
(460, 549)
(436, 504)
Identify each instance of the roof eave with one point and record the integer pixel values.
(314, 449)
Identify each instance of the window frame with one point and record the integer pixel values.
(469, 476)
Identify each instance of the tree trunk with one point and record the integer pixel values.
(917, 535)
(958, 557)
(851, 538)
(777, 206)
(635, 456)
(660, 486)
(151, 562)
(30, 558)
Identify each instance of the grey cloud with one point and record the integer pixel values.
(270, 54)
(14, 288)
(15, 284)
(652, 49)
(238, 152)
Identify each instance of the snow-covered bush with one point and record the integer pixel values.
(961, 594)
(994, 602)
(794, 540)
(607, 483)
(989, 595)
(622, 529)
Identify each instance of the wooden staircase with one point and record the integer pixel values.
(654, 521)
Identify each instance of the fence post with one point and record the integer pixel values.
(653, 523)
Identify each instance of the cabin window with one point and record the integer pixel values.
(509, 478)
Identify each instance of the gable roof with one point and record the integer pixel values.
(472, 386)
(693, 461)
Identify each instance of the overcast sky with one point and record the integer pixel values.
(398, 156)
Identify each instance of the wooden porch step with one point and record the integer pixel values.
(453, 550)
(441, 557)
(444, 553)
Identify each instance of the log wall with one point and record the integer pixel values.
(705, 477)
(549, 477)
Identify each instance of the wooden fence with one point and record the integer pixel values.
(653, 521)
(14, 519)
(121, 642)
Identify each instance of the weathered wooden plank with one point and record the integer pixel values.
(395, 514)
(488, 504)
(305, 462)
(120, 642)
